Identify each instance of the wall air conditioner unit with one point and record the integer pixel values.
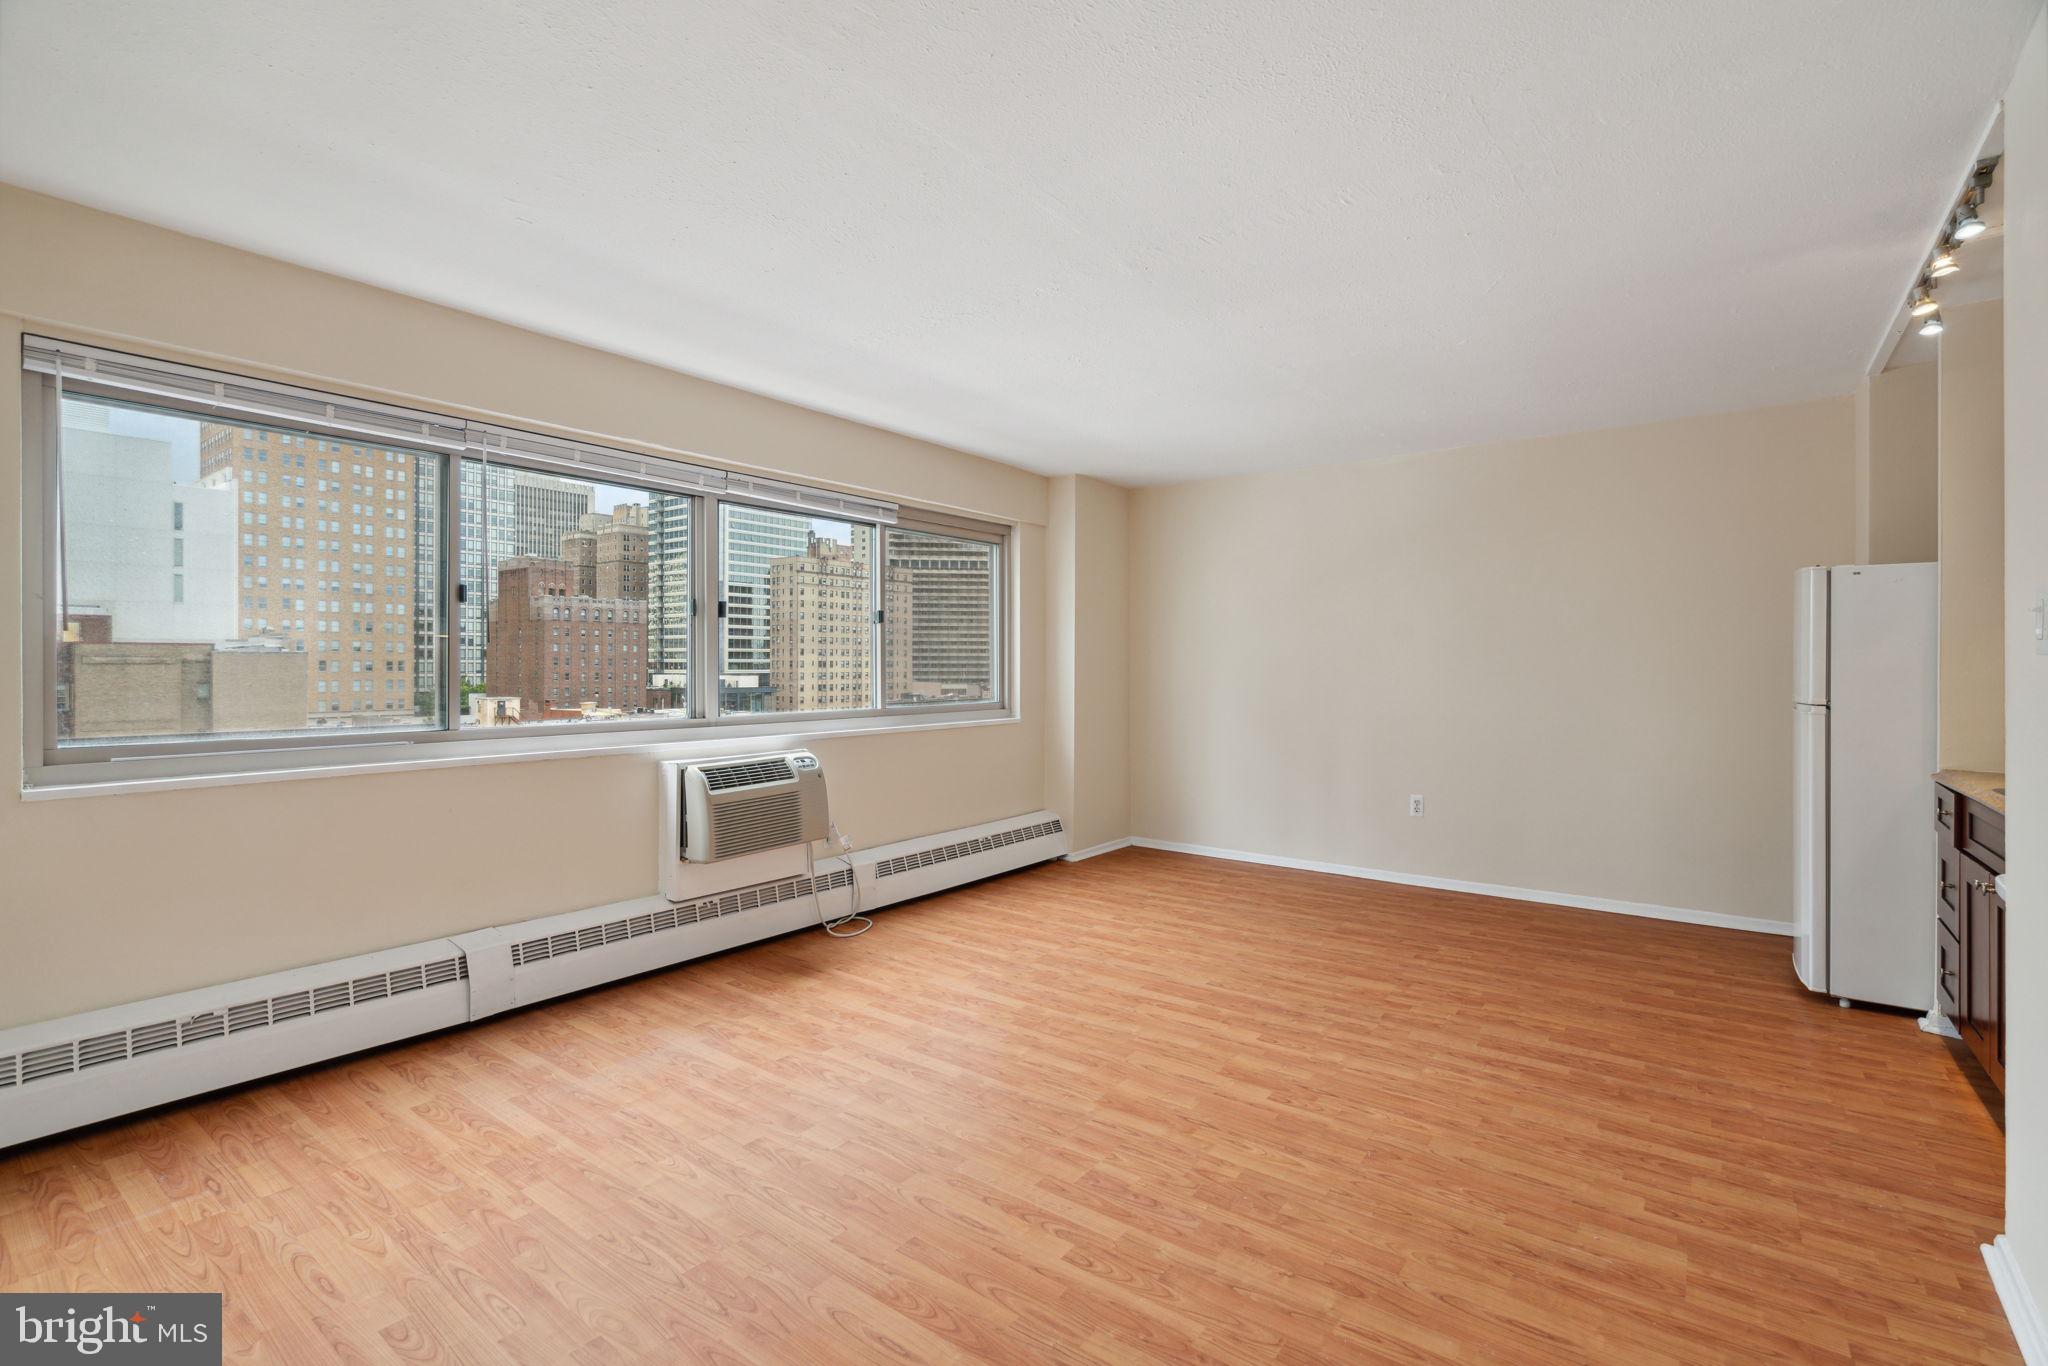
(739, 822)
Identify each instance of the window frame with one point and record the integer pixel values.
(47, 765)
(998, 620)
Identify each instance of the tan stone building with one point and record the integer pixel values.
(134, 688)
(609, 552)
(324, 562)
(821, 627)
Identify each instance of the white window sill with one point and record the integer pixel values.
(58, 782)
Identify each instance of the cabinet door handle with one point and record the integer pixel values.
(1947, 886)
(1981, 887)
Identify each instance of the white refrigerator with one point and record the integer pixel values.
(1864, 664)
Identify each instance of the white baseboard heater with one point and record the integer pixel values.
(59, 1074)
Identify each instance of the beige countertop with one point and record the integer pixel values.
(1988, 788)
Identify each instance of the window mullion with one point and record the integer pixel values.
(705, 626)
(448, 557)
(878, 617)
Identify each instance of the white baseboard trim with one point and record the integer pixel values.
(2020, 1309)
(1683, 914)
(1106, 847)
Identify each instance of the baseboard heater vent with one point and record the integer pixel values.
(59, 1074)
(671, 917)
(80, 1069)
(124, 1045)
(925, 858)
(898, 872)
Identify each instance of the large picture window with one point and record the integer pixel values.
(217, 579)
(230, 565)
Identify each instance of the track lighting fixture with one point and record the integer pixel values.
(1968, 224)
(1963, 225)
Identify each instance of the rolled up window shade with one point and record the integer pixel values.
(508, 445)
(89, 369)
(95, 370)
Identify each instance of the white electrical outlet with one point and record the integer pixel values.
(2041, 621)
(1415, 804)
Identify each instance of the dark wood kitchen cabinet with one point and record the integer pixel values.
(1969, 814)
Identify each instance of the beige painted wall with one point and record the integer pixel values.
(1578, 650)
(2025, 173)
(113, 898)
(1896, 469)
(1972, 460)
(1087, 656)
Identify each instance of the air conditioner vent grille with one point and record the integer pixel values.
(64, 1059)
(751, 773)
(752, 824)
(946, 853)
(541, 949)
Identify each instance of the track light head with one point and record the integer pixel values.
(1944, 262)
(1930, 326)
(1923, 302)
(1968, 224)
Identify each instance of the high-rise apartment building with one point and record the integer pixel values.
(670, 597)
(327, 561)
(821, 633)
(954, 590)
(751, 540)
(609, 552)
(622, 554)
(510, 512)
(560, 652)
(487, 534)
(544, 508)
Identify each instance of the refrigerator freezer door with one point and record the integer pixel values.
(1810, 636)
(1882, 864)
(1810, 846)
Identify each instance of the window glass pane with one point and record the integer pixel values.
(228, 581)
(939, 641)
(576, 599)
(798, 633)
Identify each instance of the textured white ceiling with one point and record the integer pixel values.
(1143, 240)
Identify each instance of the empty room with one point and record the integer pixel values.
(1025, 682)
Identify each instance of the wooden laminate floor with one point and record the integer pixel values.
(1144, 1108)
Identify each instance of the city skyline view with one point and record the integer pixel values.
(222, 578)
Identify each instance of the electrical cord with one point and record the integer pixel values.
(832, 927)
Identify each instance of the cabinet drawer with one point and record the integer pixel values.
(1949, 961)
(1948, 892)
(1982, 833)
(1944, 808)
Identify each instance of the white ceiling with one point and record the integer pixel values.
(1149, 240)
